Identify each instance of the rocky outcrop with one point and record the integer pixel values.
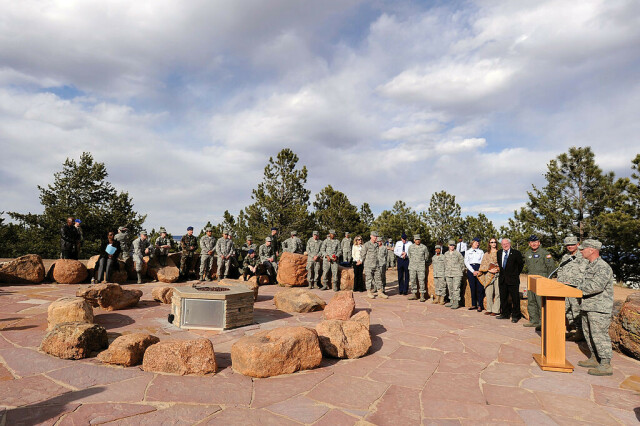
(292, 270)
(74, 340)
(166, 274)
(130, 267)
(162, 294)
(298, 300)
(625, 327)
(346, 277)
(27, 269)
(282, 350)
(128, 350)
(340, 307)
(69, 309)
(109, 296)
(181, 357)
(345, 339)
(69, 271)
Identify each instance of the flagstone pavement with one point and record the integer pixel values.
(428, 365)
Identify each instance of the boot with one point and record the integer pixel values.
(455, 305)
(448, 304)
(576, 337)
(139, 274)
(530, 324)
(244, 277)
(603, 369)
(591, 362)
(412, 296)
(370, 294)
(441, 300)
(201, 278)
(422, 299)
(382, 295)
(208, 278)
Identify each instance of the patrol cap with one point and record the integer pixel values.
(121, 228)
(162, 230)
(374, 234)
(294, 233)
(416, 236)
(390, 240)
(476, 239)
(332, 231)
(591, 243)
(570, 240)
(190, 228)
(379, 239)
(143, 232)
(251, 251)
(438, 246)
(314, 233)
(346, 233)
(452, 243)
(534, 238)
(207, 229)
(249, 237)
(268, 239)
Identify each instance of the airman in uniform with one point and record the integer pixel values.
(439, 281)
(418, 258)
(140, 250)
(538, 262)
(248, 245)
(162, 246)
(207, 250)
(346, 244)
(250, 265)
(124, 239)
(189, 245)
(571, 273)
(293, 244)
(453, 269)
(225, 251)
(314, 260)
(267, 255)
(331, 251)
(369, 255)
(391, 258)
(382, 261)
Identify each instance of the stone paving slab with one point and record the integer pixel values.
(428, 365)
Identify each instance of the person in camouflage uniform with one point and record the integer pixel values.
(346, 245)
(124, 239)
(225, 251)
(331, 251)
(596, 308)
(244, 250)
(382, 261)
(438, 276)
(453, 269)
(267, 255)
(140, 250)
(162, 245)
(418, 258)
(207, 249)
(538, 262)
(571, 272)
(369, 255)
(391, 257)
(277, 249)
(189, 245)
(293, 244)
(250, 265)
(314, 259)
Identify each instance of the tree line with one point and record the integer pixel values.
(578, 198)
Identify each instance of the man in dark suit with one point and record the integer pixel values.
(510, 264)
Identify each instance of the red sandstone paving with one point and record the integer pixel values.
(616, 398)
(40, 415)
(403, 372)
(509, 396)
(103, 413)
(456, 362)
(449, 343)
(178, 414)
(348, 392)
(277, 389)
(512, 354)
(300, 408)
(445, 409)
(336, 418)
(505, 374)
(557, 383)
(573, 408)
(536, 418)
(29, 391)
(83, 375)
(201, 390)
(398, 406)
(455, 387)
(429, 356)
(357, 367)
(247, 417)
(27, 362)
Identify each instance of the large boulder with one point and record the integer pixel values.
(69, 271)
(109, 296)
(128, 350)
(625, 327)
(259, 279)
(345, 339)
(298, 300)
(282, 350)
(249, 284)
(130, 267)
(181, 357)
(118, 274)
(74, 340)
(431, 285)
(340, 307)
(292, 270)
(69, 309)
(27, 269)
(166, 274)
(162, 294)
(346, 277)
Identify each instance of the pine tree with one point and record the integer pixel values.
(443, 217)
(333, 210)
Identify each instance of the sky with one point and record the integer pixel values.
(185, 102)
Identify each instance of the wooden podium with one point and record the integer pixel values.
(553, 293)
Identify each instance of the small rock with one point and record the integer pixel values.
(344, 339)
(282, 350)
(128, 350)
(346, 277)
(292, 270)
(69, 271)
(166, 274)
(27, 269)
(341, 306)
(109, 296)
(69, 309)
(74, 340)
(162, 294)
(625, 327)
(298, 300)
(362, 317)
(181, 357)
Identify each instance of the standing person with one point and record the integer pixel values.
(596, 309)
(124, 239)
(109, 252)
(358, 267)
(571, 272)
(461, 247)
(510, 264)
(472, 259)
(346, 248)
(207, 250)
(69, 239)
(439, 281)
(539, 262)
(77, 224)
(267, 255)
(369, 256)
(402, 261)
(314, 260)
(248, 245)
(140, 250)
(331, 251)
(162, 246)
(293, 244)
(382, 261)
(189, 245)
(488, 277)
(453, 268)
(391, 257)
(277, 249)
(418, 257)
(225, 252)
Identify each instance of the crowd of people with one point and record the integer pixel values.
(493, 275)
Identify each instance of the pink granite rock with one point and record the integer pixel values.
(109, 296)
(162, 294)
(181, 357)
(128, 350)
(345, 339)
(69, 309)
(74, 340)
(27, 269)
(298, 300)
(340, 307)
(292, 270)
(69, 271)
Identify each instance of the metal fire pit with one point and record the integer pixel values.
(212, 308)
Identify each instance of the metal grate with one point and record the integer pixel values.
(212, 288)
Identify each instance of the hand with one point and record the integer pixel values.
(110, 256)
(315, 258)
(476, 273)
(494, 270)
(359, 262)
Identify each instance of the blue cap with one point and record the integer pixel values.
(190, 228)
(534, 238)
(78, 221)
(476, 239)
(404, 236)
(251, 251)
(274, 229)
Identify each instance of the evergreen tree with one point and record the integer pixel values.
(401, 219)
(333, 210)
(480, 226)
(443, 217)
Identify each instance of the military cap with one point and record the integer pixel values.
(143, 232)
(403, 236)
(332, 231)
(438, 246)
(373, 234)
(314, 233)
(591, 243)
(476, 239)
(390, 240)
(226, 231)
(207, 229)
(251, 251)
(190, 228)
(122, 228)
(416, 236)
(294, 233)
(274, 228)
(268, 239)
(570, 240)
(379, 239)
(534, 238)
(346, 233)
(78, 221)
(452, 243)
(249, 237)
(162, 230)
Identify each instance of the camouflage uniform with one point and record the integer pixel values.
(246, 247)
(253, 262)
(382, 261)
(124, 239)
(293, 245)
(330, 248)
(453, 268)
(418, 258)
(438, 275)
(314, 267)
(369, 255)
(572, 274)
(207, 244)
(346, 245)
(139, 247)
(538, 262)
(224, 247)
(188, 258)
(391, 257)
(266, 252)
(160, 252)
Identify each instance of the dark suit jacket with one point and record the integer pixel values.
(510, 274)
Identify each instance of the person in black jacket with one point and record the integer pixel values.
(69, 240)
(107, 260)
(510, 264)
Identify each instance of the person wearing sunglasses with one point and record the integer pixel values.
(488, 277)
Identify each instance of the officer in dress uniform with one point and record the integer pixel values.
(472, 259)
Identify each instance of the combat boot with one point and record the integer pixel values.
(244, 277)
(442, 302)
(530, 324)
(576, 337)
(455, 305)
(412, 296)
(370, 294)
(422, 299)
(208, 278)
(603, 369)
(382, 295)
(448, 304)
(139, 274)
(589, 363)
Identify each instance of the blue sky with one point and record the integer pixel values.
(185, 101)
